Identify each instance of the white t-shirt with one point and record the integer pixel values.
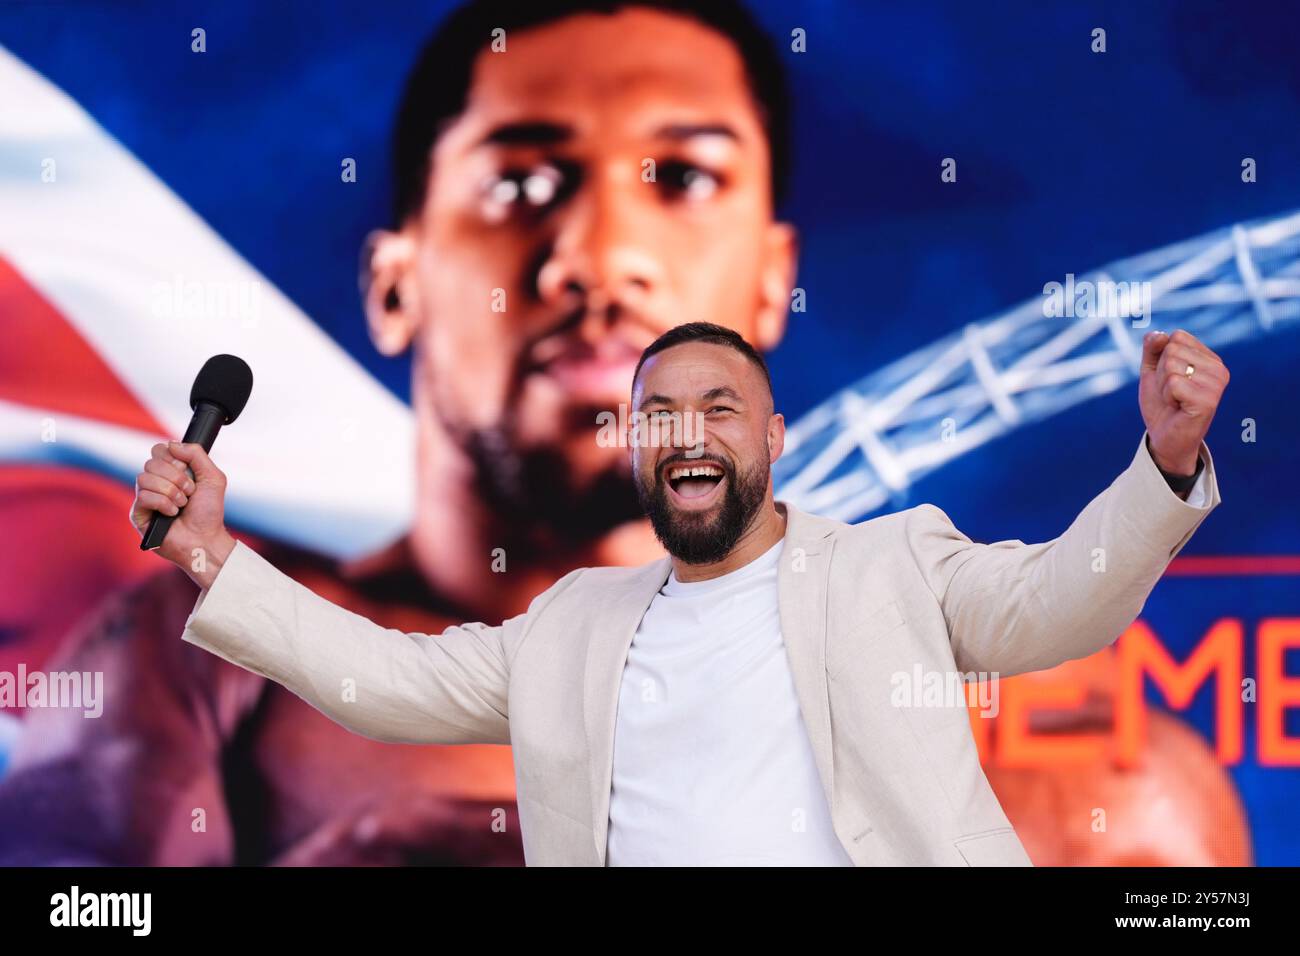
(712, 761)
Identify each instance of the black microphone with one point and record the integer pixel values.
(220, 391)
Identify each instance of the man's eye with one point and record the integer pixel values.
(688, 180)
(721, 408)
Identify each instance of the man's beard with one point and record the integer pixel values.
(704, 537)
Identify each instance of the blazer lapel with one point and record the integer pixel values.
(614, 627)
(802, 582)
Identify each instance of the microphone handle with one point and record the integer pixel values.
(207, 421)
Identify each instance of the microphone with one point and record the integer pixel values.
(220, 391)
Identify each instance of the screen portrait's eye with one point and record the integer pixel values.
(515, 190)
(688, 181)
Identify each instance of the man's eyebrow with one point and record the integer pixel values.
(718, 391)
(527, 133)
(680, 132)
(655, 400)
(722, 391)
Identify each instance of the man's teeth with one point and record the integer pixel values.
(695, 471)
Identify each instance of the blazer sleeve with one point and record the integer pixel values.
(450, 688)
(1012, 607)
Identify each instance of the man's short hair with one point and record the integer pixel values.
(711, 334)
(438, 85)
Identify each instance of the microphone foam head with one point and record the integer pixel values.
(224, 380)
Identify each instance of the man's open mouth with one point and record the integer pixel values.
(696, 484)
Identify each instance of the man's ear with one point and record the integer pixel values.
(388, 290)
(776, 282)
(775, 437)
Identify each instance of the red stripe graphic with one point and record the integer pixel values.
(1245, 565)
(46, 364)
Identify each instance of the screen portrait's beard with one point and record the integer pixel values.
(706, 536)
(535, 489)
(530, 484)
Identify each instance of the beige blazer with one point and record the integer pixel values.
(860, 606)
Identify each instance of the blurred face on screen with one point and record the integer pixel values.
(608, 179)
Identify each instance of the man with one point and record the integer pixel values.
(538, 189)
(730, 704)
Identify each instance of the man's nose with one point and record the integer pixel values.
(604, 252)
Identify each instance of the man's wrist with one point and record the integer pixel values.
(1180, 477)
(208, 562)
(1181, 467)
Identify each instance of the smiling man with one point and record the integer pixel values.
(733, 702)
(700, 502)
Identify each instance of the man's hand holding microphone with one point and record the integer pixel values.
(197, 542)
(180, 495)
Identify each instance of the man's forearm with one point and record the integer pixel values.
(383, 683)
(1013, 607)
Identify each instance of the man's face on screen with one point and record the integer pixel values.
(609, 179)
